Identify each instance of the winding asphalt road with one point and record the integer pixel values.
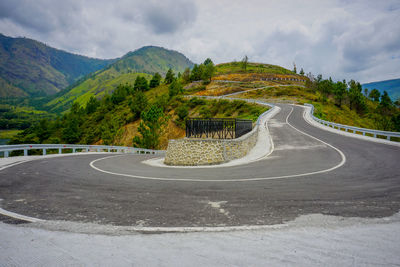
(309, 171)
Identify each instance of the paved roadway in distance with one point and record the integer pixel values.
(67, 188)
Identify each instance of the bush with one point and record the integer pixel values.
(182, 112)
(193, 102)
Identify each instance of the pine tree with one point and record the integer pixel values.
(375, 95)
(175, 88)
(169, 77)
(141, 84)
(138, 104)
(244, 62)
(150, 128)
(208, 70)
(155, 81)
(186, 76)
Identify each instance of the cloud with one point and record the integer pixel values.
(41, 15)
(169, 16)
(357, 39)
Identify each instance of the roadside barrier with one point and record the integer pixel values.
(355, 130)
(7, 149)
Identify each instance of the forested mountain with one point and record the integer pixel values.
(31, 68)
(144, 61)
(392, 87)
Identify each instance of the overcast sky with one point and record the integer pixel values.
(340, 38)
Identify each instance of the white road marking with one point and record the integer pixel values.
(19, 216)
(193, 229)
(342, 162)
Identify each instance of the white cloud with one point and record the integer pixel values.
(338, 38)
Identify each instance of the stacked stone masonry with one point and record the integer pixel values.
(195, 152)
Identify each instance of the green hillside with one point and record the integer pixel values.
(117, 118)
(39, 70)
(145, 61)
(8, 90)
(237, 67)
(392, 87)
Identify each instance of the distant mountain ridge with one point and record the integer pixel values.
(152, 59)
(144, 61)
(390, 86)
(31, 68)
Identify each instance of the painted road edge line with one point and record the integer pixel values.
(231, 180)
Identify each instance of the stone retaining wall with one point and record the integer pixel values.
(194, 152)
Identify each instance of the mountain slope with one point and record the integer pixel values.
(8, 90)
(144, 61)
(390, 86)
(152, 59)
(38, 69)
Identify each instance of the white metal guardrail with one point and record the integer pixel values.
(7, 149)
(355, 130)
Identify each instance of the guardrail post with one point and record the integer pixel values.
(73, 150)
(374, 135)
(388, 137)
(60, 151)
(87, 149)
(363, 133)
(109, 150)
(25, 152)
(6, 154)
(44, 151)
(98, 150)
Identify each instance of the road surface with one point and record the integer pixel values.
(309, 171)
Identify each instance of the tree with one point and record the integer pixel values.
(375, 95)
(76, 109)
(175, 88)
(120, 93)
(397, 103)
(366, 92)
(208, 69)
(138, 104)
(357, 99)
(301, 72)
(186, 76)
(208, 61)
(339, 92)
(150, 128)
(169, 77)
(109, 128)
(326, 87)
(141, 84)
(294, 68)
(71, 133)
(92, 105)
(196, 73)
(43, 130)
(155, 81)
(386, 104)
(396, 122)
(244, 62)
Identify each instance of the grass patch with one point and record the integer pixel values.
(8, 134)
